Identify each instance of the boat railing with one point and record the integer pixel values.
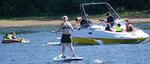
(112, 11)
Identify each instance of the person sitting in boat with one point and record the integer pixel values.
(85, 23)
(110, 19)
(108, 28)
(118, 28)
(129, 26)
(7, 37)
(77, 21)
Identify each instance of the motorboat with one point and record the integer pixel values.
(95, 33)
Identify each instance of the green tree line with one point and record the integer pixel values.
(56, 7)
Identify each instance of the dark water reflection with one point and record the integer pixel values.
(37, 52)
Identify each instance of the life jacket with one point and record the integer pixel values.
(118, 29)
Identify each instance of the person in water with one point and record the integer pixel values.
(118, 28)
(66, 29)
(110, 19)
(129, 26)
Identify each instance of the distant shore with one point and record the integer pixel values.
(15, 23)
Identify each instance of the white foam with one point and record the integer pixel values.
(53, 43)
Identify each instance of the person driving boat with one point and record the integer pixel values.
(110, 19)
(108, 27)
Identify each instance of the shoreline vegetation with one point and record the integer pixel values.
(31, 12)
(56, 20)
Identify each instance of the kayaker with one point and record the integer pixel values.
(13, 35)
(110, 19)
(7, 37)
(118, 28)
(66, 29)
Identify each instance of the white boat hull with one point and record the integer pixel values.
(88, 36)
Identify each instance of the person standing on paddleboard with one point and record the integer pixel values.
(66, 29)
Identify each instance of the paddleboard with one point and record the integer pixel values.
(67, 58)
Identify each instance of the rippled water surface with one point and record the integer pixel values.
(37, 52)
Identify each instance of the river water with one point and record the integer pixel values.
(38, 52)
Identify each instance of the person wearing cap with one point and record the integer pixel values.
(66, 29)
(110, 19)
